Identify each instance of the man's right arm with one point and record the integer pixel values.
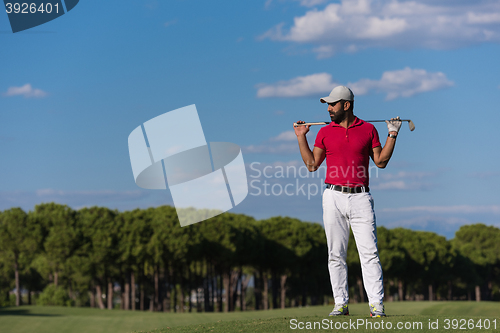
(312, 159)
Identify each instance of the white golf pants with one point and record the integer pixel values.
(341, 211)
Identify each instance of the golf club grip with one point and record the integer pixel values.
(306, 124)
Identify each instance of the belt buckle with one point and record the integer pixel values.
(346, 189)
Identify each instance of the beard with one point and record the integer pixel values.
(338, 117)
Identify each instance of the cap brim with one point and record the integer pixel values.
(328, 99)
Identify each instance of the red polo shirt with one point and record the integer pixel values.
(348, 152)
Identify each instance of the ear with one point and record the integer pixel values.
(347, 105)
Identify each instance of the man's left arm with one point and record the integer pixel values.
(381, 156)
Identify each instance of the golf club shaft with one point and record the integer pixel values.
(382, 121)
(412, 126)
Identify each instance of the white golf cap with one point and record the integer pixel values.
(338, 93)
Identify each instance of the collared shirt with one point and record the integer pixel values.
(348, 152)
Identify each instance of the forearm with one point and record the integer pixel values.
(306, 153)
(386, 153)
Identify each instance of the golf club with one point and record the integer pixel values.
(410, 123)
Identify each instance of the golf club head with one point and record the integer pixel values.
(411, 125)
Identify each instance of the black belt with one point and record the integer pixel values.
(347, 189)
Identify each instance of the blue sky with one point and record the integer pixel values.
(73, 89)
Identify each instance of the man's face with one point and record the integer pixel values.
(337, 112)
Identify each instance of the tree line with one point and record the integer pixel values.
(143, 260)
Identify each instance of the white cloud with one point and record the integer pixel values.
(485, 174)
(485, 18)
(414, 175)
(400, 83)
(305, 3)
(123, 200)
(442, 225)
(392, 185)
(358, 24)
(425, 222)
(273, 166)
(300, 86)
(284, 143)
(27, 91)
(174, 150)
(442, 219)
(283, 148)
(285, 136)
(311, 3)
(403, 180)
(400, 185)
(52, 194)
(324, 51)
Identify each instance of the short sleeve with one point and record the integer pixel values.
(375, 138)
(319, 140)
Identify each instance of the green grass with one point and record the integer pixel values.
(79, 320)
(405, 313)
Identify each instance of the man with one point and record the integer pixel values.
(347, 143)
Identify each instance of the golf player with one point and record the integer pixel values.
(347, 143)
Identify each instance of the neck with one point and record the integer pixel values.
(348, 121)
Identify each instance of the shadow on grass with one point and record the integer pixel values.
(22, 312)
